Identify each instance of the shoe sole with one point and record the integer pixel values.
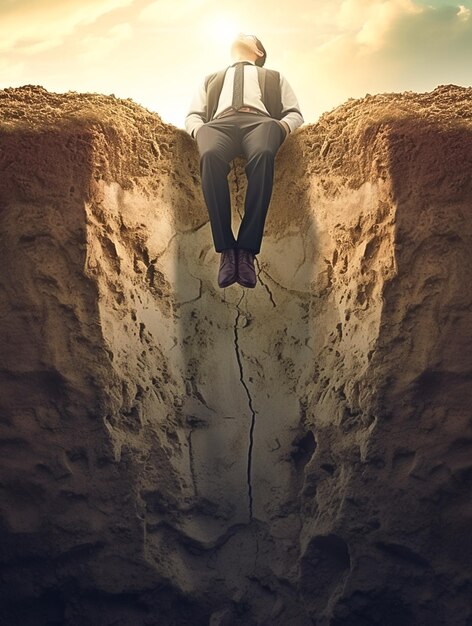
(250, 285)
(227, 284)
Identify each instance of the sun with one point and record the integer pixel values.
(221, 28)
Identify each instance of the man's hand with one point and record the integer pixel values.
(195, 132)
(286, 128)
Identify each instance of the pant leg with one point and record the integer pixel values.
(260, 145)
(218, 144)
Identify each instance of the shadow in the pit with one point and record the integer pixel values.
(55, 450)
(246, 355)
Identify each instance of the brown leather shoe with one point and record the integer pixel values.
(246, 270)
(228, 272)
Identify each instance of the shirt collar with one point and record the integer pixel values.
(244, 61)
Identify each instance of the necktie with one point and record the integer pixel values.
(238, 85)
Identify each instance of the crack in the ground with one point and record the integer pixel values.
(192, 229)
(196, 393)
(191, 461)
(265, 285)
(293, 291)
(305, 248)
(253, 413)
(167, 246)
(256, 556)
(200, 292)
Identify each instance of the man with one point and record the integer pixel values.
(246, 110)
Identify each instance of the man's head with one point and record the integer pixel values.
(248, 47)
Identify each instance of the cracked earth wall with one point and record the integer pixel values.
(174, 453)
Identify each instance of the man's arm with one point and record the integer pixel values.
(292, 117)
(198, 110)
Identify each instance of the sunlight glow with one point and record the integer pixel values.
(221, 28)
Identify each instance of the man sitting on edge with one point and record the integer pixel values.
(248, 110)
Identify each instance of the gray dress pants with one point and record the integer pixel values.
(257, 138)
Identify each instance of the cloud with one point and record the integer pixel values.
(464, 12)
(379, 46)
(394, 32)
(32, 26)
(380, 20)
(434, 29)
(165, 12)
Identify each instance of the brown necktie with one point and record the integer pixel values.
(238, 85)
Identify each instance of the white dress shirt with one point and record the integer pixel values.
(252, 97)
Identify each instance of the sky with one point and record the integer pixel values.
(157, 52)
